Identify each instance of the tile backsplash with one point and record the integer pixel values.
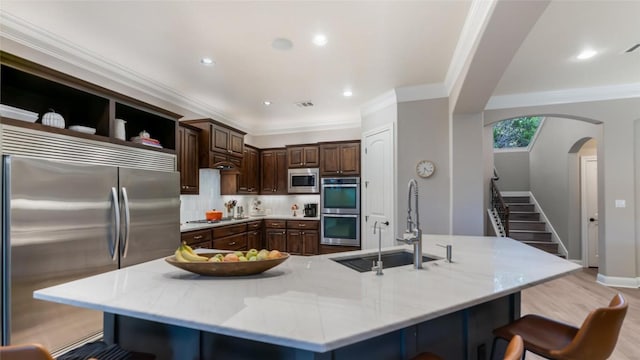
(192, 207)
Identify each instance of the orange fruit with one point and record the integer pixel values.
(231, 257)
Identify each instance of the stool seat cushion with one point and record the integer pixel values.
(539, 333)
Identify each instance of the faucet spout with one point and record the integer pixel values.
(413, 234)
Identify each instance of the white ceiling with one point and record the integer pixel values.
(373, 47)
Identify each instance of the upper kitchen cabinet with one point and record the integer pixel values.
(340, 159)
(249, 177)
(303, 156)
(87, 110)
(187, 148)
(221, 146)
(273, 172)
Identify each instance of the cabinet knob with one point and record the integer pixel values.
(197, 237)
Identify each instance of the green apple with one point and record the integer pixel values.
(253, 258)
(219, 256)
(239, 253)
(252, 252)
(242, 258)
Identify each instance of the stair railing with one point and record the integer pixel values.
(498, 204)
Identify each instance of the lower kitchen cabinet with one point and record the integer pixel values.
(254, 235)
(332, 249)
(233, 242)
(197, 239)
(276, 234)
(303, 237)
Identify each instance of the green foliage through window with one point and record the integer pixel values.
(514, 133)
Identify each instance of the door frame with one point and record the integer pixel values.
(363, 187)
(584, 232)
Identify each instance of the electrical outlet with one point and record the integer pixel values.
(621, 203)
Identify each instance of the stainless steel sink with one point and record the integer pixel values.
(364, 262)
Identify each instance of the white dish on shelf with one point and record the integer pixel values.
(17, 113)
(82, 129)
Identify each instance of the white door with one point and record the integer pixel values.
(377, 187)
(590, 209)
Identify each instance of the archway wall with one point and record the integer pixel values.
(617, 179)
(553, 176)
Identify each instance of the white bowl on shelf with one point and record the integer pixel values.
(83, 129)
(17, 113)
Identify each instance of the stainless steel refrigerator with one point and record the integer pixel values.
(63, 221)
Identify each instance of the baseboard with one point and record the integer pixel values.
(576, 261)
(617, 281)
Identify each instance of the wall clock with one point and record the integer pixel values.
(425, 168)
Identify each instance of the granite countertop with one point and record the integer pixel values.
(199, 226)
(314, 303)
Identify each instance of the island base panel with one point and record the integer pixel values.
(464, 334)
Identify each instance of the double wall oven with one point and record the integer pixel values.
(340, 215)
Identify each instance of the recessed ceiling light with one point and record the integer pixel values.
(206, 61)
(320, 40)
(347, 93)
(586, 54)
(282, 44)
(266, 103)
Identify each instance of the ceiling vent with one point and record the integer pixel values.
(633, 48)
(304, 104)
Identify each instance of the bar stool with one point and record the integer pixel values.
(594, 340)
(514, 351)
(24, 352)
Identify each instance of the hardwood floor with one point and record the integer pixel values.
(571, 298)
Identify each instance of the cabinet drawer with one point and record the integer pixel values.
(302, 224)
(223, 231)
(194, 237)
(252, 225)
(233, 242)
(201, 245)
(276, 224)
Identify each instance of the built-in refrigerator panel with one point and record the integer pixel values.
(59, 224)
(151, 215)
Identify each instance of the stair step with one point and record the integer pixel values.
(527, 225)
(522, 207)
(516, 199)
(518, 215)
(549, 247)
(530, 235)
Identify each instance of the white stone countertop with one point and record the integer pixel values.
(314, 303)
(184, 227)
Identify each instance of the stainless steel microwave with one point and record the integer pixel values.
(305, 181)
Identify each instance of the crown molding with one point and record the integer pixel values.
(476, 21)
(565, 96)
(378, 103)
(421, 92)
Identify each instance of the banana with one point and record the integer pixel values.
(191, 257)
(179, 256)
(188, 248)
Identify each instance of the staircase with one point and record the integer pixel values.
(525, 224)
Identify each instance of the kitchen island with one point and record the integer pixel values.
(316, 308)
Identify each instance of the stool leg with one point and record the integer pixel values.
(493, 347)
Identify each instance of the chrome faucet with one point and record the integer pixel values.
(377, 266)
(413, 233)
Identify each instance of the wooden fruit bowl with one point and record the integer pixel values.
(240, 268)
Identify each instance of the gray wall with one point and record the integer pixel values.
(423, 133)
(513, 168)
(552, 180)
(306, 137)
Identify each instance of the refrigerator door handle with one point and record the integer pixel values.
(127, 222)
(116, 212)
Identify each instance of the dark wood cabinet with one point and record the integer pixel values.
(273, 172)
(307, 156)
(187, 148)
(219, 144)
(332, 249)
(276, 234)
(36, 88)
(340, 159)
(197, 239)
(230, 237)
(249, 177)
(303, 237)
(254, 235)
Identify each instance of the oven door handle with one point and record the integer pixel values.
(340, 185)
(341, 215)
